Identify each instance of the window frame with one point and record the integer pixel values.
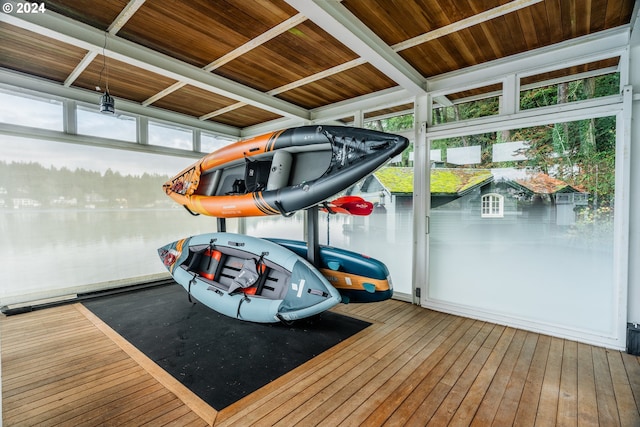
(491, 197)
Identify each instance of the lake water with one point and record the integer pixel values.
(49, 252)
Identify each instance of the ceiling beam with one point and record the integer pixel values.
(237, 52)
(123, 17)
(82, 65)
(338, 21)
(423, 38)
(86, 37)
(465, 23)
(125, 14)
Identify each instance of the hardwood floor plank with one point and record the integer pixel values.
(433, 369)
(511, 398)
(548, 405)
(491, 401)
(40, 378)
(469, 405)
(632, 367)
(378, 398)
(428, 408)
(526, 414)
(280, 391)
(378, 407)
(625, 402)
(127, 408)
(587, 403)
(59, 369)
(165, 414)
(361, 359)
(400, 387)
(348, 400)
(446, 413)
(50, 360)
(190, 419)
(36, 393)
(607, 406)
(568, 397)
(89, 408)
(43, 409)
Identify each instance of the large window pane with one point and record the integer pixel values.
(166, 135)
(92, 122)
(534, 95)
(31, 111)
(531, 235)
(76, 216)
(469, 104)
(210, 143)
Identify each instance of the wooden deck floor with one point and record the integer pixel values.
(63, 366)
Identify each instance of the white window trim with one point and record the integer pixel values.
(491, 197)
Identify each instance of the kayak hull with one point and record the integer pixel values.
(282, 172)
(359, 278)
(214, 269)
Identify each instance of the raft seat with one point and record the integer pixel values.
(275, 285)
(280, 170)
(229, 271)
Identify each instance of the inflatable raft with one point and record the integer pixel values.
(358, 278)
(282, 172)
(248, 278)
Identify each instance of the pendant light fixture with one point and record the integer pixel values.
(107, 103)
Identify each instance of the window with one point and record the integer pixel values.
(32, 111)
(492, 206)
(523, 218)
(210, 143)
(535, 94)
(468, 104)
(52, 195)
(92, 122)
(167, 135)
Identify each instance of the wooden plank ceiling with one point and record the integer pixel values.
(285, 50)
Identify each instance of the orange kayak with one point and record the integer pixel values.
(282, 172)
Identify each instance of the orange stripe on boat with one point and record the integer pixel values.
(339, 280)
(272, 140)
(263, 205)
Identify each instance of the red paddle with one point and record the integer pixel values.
(349, 205)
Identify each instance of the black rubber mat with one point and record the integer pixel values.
(218, 358)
